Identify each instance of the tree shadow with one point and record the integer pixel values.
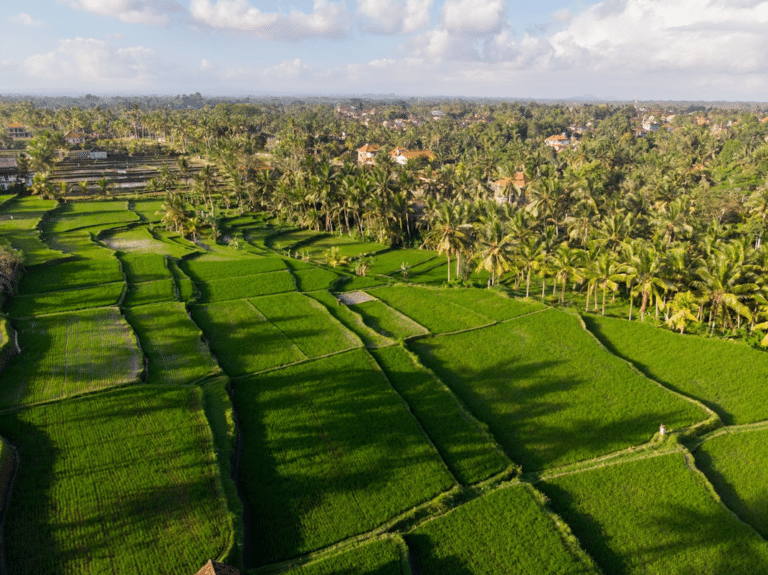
(426, 560)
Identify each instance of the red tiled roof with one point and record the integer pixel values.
(216, 568)
(369, 148)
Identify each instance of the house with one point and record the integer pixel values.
(73, 137)
(92, 154)
(16, 130)
(559, 142)
(367, 154)
(437, 114)
(503, 190)
(216, 568)
(401, 155)
(10, 174)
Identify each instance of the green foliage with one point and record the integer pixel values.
(387, 321)
(243, 340)
(506, 531)
(329, 451)
(735, 464)
(172, 343)
(430, 309)
(379, 557)
(314, 279)
(389, 262)
(104, 475)
(246, 286)
(655, 516)
(467, 448)
(728, 377)
(67, 300)
(69, 354)
(549, 393)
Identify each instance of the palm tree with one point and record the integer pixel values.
(496, 255)
(566, 263)
(529, 257)
(449, 235)
(642, 267)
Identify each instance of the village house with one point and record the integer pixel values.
(216, 568)
(505, 188)
(367, 154)
(10, 174)
(559, 142)
(74, 138)
(437, 114)
(401, 155)
(92, 154)
(16, 130)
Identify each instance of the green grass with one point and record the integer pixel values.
(385, 320)
(353, 282)
(379, 557)
(19, 218)
(430, 309)
(67, 300)
(80, 243)
(348, 247)
(187, 288)
(549, 393)
(150, 292)
(143, 267)
(291, 239)
(201, 269)
(121, 482)
(172, 343)
(69, 354)
(246, 286)
(69, 275)
(735, 464)
(75, 215)
(466, 447)
(351, 320)
(148, 209)
(388, 263)
(314, 279)
(329, 451)
(655, 516)
(306, 323)
(728, 377)
(506, 531)
(138, 240)
(242, 339)
(490, 303)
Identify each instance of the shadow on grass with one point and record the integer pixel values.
(425, 561)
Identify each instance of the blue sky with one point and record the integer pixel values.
(651, 49)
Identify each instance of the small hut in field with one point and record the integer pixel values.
(216, 568)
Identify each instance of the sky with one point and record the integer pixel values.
(549, 49)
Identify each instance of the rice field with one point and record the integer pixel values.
(735, 464)
(66, 300)
(387, 321)
(348, 247)
(549, 393)
(172, 343)
(93, 214)
(388, 263)
(80, 243)
(465, 445)
(306, 323)
(506, 531)
(329, 451)
(351, 320)
(206, 269)
(379, 557)
(143, 267)
(488, 302)
(70, 354)
(314, 279)
(19, 220)
(655, 515)
(242, 339)
(242, 287)
(728, 377)
(149, 293)
(70, 275)
(122, 482)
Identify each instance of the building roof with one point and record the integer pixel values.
(216, 568)
(9, 165)
(15, 125)
(369, 148)
(557, 137)
(410, 154)
(518, 179)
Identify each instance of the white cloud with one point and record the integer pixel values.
(327, 19)
(206, 65)
(474, 17)
(27, 20)
(287, 69)
(91, 60)
(153, 12)
(394, 17)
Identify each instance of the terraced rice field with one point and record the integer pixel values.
(70, 354)
(329, 451)
(66, 300)
(387, 321)
(70, 275)
(381, 557)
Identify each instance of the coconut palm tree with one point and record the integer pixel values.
(496, 250)
(449, 234)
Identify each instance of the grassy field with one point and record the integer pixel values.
(246, 286)
(203, 269)
(172, 343)
(430, 309)
(387, 321)
(735, 464)
(142, 267)
(69, 354)
(150, 292)
(380, 557)
(122, 482)
(98, 214)
(388, 263)
(66, 300)
(329, 451)
(243, 340)
(78, 243)
(348, 247)
(467, 448)
(306, 323)
(490, 303)
(727, 377)
(70, 275)
(351, 320)
(655, 516)
(314, 279)
(506, 531)
(549, 393)
(19, 219)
